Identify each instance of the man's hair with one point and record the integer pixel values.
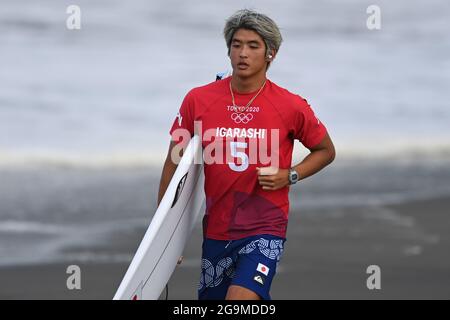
(260, 23)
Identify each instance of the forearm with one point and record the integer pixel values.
(313, 163)
(166, 176)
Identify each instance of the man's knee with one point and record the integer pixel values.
(241, 293)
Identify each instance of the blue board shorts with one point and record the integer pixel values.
(250, 263)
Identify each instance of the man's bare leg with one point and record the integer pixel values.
(241, 293)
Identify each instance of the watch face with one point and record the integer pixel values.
(294, 176)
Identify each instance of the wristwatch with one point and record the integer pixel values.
(293, 176)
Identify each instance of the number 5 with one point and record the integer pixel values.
(241, 155)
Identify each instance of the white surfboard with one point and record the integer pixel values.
(169, 230)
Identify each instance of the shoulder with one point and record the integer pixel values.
(199, 99)
(286, 99)
(215, 88)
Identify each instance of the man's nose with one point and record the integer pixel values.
(244, 52)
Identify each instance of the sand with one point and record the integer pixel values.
(326, 257)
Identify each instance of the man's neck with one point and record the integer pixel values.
(246, 85)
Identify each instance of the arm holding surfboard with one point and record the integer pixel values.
(166, 175)
(167, 172)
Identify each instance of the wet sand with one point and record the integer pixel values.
(326, 257)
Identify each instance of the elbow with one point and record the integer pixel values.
(331, 155)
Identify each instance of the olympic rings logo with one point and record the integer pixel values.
(241, 117)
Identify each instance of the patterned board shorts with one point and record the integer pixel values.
(250, 263)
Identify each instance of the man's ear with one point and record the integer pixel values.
(274, 54)
(271, 55)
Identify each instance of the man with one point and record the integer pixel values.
(247, 198)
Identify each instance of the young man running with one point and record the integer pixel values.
(248, 117)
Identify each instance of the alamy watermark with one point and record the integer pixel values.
(74, 280)
(373, 21)
(374, 280)
(236, 147)
(73, 21)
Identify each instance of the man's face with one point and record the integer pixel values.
(247, 53)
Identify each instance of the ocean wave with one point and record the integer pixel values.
(21, 240)
(21, 227)
(86, 160)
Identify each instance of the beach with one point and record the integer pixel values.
(327, 252)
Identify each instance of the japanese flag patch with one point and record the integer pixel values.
(263, 269)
